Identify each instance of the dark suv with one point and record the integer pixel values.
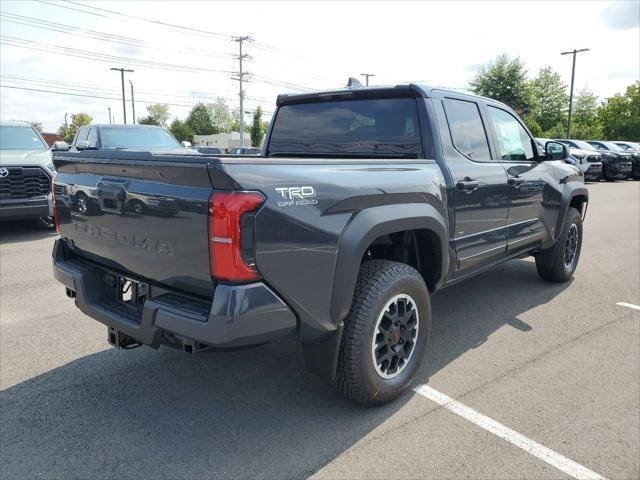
(621, 148)
(616, 165)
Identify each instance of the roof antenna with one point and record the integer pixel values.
(353, 83)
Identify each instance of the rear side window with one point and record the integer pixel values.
(467, 131)
(385, 128)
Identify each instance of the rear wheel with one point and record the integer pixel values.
(385, 334)
(558, 263)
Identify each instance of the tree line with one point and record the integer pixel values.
(543, 103)
(203, 119)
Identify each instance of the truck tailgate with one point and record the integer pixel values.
(145, 215)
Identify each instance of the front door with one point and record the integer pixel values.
(529, 182)
(480, 192)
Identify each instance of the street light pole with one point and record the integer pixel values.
(366, 76)
(573, 74)
(124, 105)
(109, 115)
(133, 105)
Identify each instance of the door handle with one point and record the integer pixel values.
(515, 182)
(467, 185)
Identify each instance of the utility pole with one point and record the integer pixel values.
(109, 115)
(133, 105)
(240, 78)
(65, 120)
(573, 74)
(124, 105)
(366, 76)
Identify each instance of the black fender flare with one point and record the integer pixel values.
(570, 191)
(370, 224)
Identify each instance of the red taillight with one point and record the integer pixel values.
(225, 249)
(56, 222)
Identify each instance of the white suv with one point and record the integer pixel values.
(26, 170)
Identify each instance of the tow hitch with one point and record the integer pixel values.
(120, 340)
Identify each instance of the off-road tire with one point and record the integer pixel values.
(379, 281)
(551, 263)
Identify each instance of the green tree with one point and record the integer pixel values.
(505, 80)
(534, 126)
(257, 131)
(221, 116)
(585, 123)
(181, 131)
(620, 115)
(199, 120)
(67, 132)
(37, 126)
(549, 98)
(157, 114)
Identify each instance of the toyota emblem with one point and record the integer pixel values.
(4, 172)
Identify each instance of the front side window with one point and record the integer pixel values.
(134, 138)
(383, 128)
(82, 134)
(513, 140)
(19, 138)
(467, 131)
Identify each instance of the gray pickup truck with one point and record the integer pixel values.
(365, 202)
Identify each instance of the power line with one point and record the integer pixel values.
(85, 86)
(102, 97)
(101, 36)
(223, 36)
(103, 57)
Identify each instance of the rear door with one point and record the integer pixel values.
(531, 182)
(480, 193)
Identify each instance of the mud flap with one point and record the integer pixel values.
(321, 357)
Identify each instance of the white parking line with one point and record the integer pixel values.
(545, 454)
(629, 305)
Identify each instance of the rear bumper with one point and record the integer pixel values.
(239, 315)
(25, 209)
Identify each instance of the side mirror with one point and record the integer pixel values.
(556, 151)
(184, 143)
(60, 146)
(83, 145)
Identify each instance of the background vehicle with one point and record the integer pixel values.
(209, 150)
(120, 137)
(632, 149)
(590, 164)
(367, 201)
(614, 166)
(611, 148)
(244, 151)
(26, 169)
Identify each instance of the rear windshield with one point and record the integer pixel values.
(385, 128)
(19, 138)
(143, 138)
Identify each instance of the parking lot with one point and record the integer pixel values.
(557, 363)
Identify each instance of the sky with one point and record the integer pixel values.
(297, 46)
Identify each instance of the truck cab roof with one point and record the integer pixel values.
(415, 90)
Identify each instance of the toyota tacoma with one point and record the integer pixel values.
(364, 203)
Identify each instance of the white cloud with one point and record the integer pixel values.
(317, 44)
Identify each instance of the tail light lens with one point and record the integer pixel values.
(228, 212)
(56, 221)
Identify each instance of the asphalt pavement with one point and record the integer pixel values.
(558, 364)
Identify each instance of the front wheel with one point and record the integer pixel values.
(385, 334)
(558, 263)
